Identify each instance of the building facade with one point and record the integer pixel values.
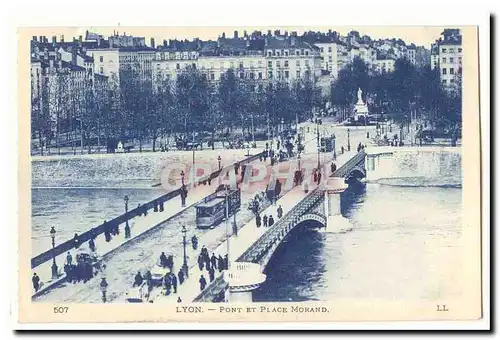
(446, 55)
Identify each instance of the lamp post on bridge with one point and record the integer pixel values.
(54, 265)
(219, 160)
(127, 227)
(227, 227)
(185, 268)
(317, 139)
(348, 139)
(182, 176)
(334, 151)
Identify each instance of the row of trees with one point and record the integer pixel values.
(134, 106)
(408, 91)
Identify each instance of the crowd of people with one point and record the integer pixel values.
(210, 264)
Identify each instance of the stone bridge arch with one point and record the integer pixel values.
(357, 172)
(315, 216)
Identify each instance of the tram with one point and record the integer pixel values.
(212, 210)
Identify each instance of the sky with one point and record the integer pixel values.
(419, 35)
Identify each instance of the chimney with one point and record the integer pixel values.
(292, 40)
(276, 33)
(245, 34)
(62, 37)
(286, 33)
(80, 38)
(248, 43)
(152, 42)
(34, 38)
(223, 35)
(269, 33)
(235, 34)
(74, 57)
(54, 40)
(41, 39)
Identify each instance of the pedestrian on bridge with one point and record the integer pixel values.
(342, 149)
(69, 258)
(174, 282)
(315, 176)
(258, 221)
(226, 262)
(92, 245)
(319, 177)
(220, 263)
(163, 259)
(333, 167)
(138, 280)
(155, 206)
(213, 259)
(36, 282)
(200, 262)
(194, 242)
(148, 278)
(161, 206)
(107, 231)
(203, 282)
(264, 219)
(167, 281)
(76, 241)
(271, 220)
(280, 211)
(211, 273)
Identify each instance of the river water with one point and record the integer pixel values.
(403, 235)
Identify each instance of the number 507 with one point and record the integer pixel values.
(61, 309)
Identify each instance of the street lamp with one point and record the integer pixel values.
(218, 159)
(317, 140)
(127, 227)
(54, 265)
(334, 151)
(348, 139)
(227, 225)
(182, 176)
(184, 243)
(104, 286)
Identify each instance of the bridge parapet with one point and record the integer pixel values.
(357, 161)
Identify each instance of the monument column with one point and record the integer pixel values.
(243, 278)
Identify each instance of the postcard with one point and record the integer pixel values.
(249, 174)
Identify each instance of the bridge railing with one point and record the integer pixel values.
(217, 287)
(253, 253)
(96, 231)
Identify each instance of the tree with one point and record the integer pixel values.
(192, 97)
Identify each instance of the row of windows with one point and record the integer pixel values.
(278, 53)
(451, 50)
(285, 63)
(452, 60)
(329, 49)
(452, 71)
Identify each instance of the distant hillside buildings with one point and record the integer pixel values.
(258, 56)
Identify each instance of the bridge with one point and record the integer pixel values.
(319, 208)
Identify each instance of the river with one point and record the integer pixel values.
(403, 233)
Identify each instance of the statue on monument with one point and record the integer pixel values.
(360, 100)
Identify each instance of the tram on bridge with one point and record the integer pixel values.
(212, 210)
